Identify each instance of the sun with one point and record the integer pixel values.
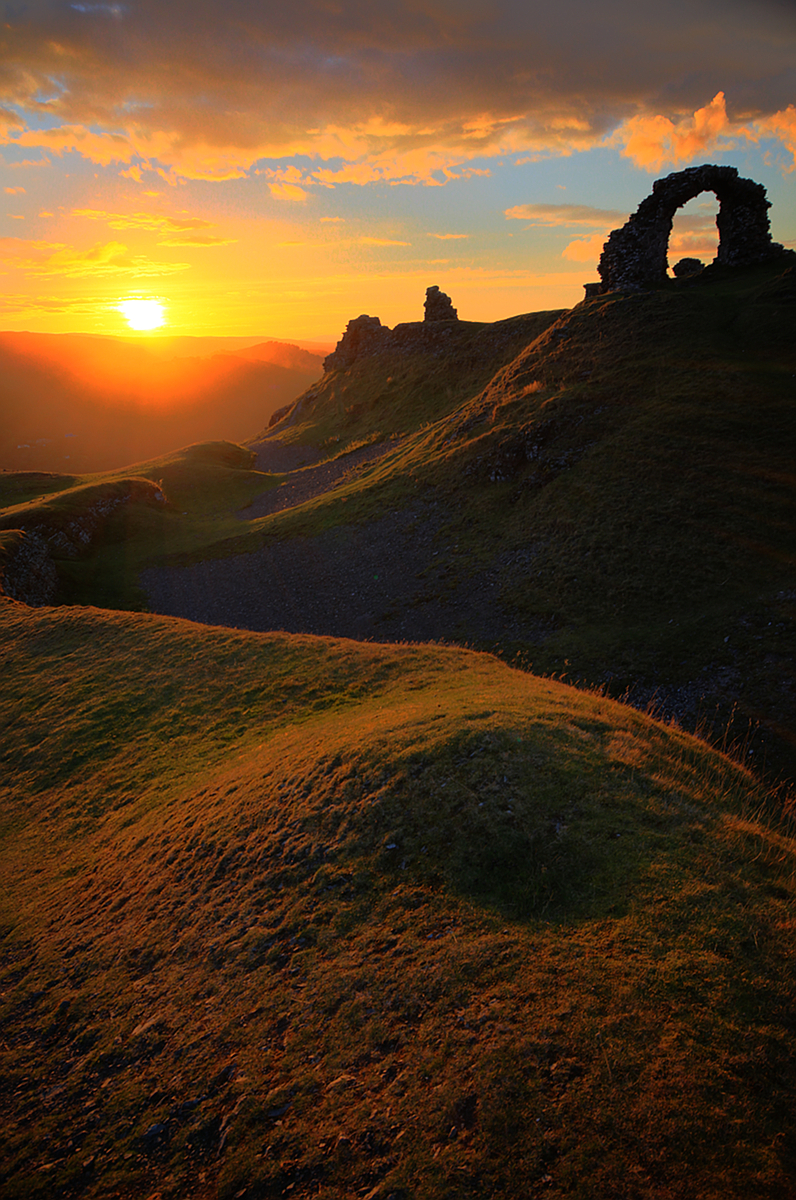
(142, 314)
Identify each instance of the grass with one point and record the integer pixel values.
(624, 469)
(306, 916)
(203, 486)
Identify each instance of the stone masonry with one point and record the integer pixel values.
(635, 257)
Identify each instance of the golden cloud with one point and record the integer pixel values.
(288, 191)
(653, 142)
(54, 258)
(20, 302)
(585, 249)
(399, 93)
(374, 241)
(551, 215)
(781, 126)
(172, 231)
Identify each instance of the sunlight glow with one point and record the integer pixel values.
(142, 314)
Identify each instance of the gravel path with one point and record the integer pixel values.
(308, 481)
(386, 580)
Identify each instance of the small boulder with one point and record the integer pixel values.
(688, 266)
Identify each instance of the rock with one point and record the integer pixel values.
(362, 334)
(155, 1136)
(30, 575)
(223, 1077)
(688, 266)
(634, 257)
(438, 306)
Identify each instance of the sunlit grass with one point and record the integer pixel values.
(456, 929)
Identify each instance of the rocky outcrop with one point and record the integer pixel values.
(362, 335)
(366, 335)
(30, 573)
(438, 306)
(635, 257)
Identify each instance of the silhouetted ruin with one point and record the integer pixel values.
(438, 306)
(635, 256)
(366, 335)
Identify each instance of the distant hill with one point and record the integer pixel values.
(82, 403)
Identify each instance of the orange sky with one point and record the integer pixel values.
(278, 172)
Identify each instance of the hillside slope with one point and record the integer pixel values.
(286, 915)
(617, 503)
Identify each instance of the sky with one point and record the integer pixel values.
(276, 169)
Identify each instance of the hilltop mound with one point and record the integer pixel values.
(615, 502)
(304, 915)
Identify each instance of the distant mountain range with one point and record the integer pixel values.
(76, 402)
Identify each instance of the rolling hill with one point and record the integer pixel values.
(319, 906)
(295, 915)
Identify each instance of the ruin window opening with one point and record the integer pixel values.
(694, 230)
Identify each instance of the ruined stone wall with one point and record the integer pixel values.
(635, 256)
(366, 335)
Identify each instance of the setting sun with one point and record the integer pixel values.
(143, 314)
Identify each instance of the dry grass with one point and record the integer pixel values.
(299, 916)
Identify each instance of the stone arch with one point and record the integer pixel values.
(635, 256)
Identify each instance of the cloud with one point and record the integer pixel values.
(448, 237)
(14, 191)
(653, 142)
(374, 241)
(54, 258)
(780, 126)
(288, 191)
(566, 214)
(20, 302)
(585, 249)
(172, 231)
(406, 91)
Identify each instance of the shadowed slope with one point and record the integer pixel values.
(619, 500)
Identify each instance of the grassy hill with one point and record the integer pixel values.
(288, 915)
(605, 494)
(308, 916)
